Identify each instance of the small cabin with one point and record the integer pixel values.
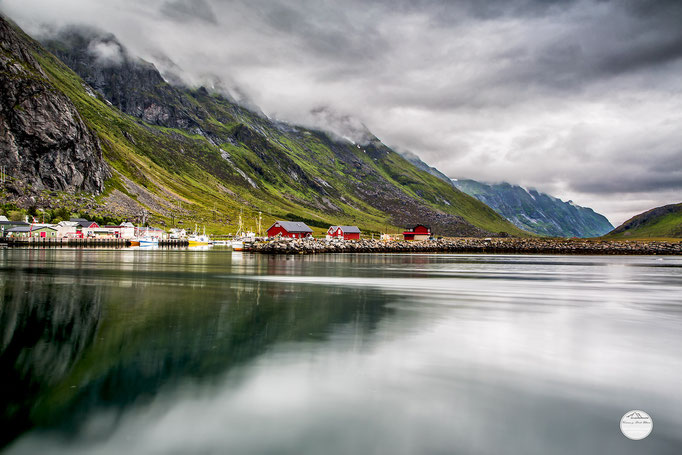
(343, 232)
(6, 225)
(419, 232)
(41, 231)
(290, 229)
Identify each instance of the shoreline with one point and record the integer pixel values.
(474, 245)
(467, 245)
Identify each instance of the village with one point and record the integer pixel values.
(296, 237)
(126, 232)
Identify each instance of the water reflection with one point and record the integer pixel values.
(169, 351)
(45, 329)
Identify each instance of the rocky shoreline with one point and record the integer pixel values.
(473, 245)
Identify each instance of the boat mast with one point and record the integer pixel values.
(240, 228)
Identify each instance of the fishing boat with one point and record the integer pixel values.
(196, 239)
(243, 239)
(149, 241)
(199, 240)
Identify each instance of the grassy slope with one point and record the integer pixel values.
(180, 169)
(652, 224)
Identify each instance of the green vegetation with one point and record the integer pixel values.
(662, 222)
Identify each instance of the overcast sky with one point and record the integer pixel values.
(580, 99)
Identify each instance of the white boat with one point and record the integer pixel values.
(243, 239)
(149, 241)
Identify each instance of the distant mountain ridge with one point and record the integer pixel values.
(661, 222)
(530, 210)
(538, 212)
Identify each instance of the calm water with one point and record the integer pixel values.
(183, 352)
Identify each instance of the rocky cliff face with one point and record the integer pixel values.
(129, 83)
(44, 143)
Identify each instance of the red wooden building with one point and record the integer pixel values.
(343, 232)
(83, 223)
(419, 232)
(291, 229)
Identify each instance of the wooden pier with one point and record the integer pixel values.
(38, 242)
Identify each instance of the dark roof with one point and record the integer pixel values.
(13, 223)
(82, 222)
(20, 229)
(350, 229)
(292, 226)
(30, 228)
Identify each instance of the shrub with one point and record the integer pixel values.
(16, 215)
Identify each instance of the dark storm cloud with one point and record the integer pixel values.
(639, 182)
(184, 10)
(580, 98)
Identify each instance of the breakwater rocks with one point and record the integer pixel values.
(471, 245)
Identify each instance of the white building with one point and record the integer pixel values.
(66, 228)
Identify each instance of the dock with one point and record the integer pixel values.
(38, 242)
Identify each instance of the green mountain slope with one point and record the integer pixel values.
(660, 222)
(181, 155)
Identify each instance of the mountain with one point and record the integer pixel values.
(414, 159)
(44, 141)
(537, 212)
(531, 210)
(174, 154)
(662, 222)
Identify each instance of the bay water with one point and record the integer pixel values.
(180, 351)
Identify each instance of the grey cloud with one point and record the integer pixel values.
(106, 53)
(184, 10)
(640, 182)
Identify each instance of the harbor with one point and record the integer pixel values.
(43, 242)
(295, 237)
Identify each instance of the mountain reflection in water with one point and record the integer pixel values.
(173, 351)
